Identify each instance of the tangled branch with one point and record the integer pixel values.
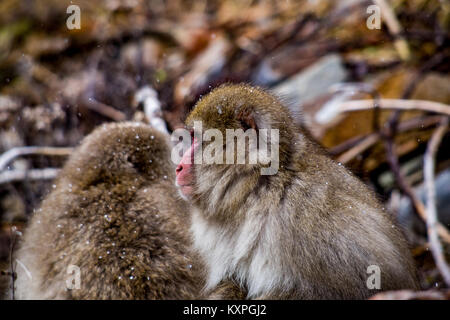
(432, 223)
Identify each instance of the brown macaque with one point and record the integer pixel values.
(115, 221)
(307, 229)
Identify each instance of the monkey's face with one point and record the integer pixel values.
(236, 132)
(185, 171)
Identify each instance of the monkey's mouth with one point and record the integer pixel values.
(185, 189)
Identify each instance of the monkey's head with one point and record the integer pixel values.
(239, 133)
(121, 153)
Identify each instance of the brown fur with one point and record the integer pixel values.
(308, 232)
(113, 212)
(228, 290)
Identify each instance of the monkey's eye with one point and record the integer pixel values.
(192, 135)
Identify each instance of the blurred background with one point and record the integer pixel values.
(369, 78)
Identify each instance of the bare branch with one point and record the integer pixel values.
(399, 104)
(432, 223)
(407, 189)
(362, 145)
(395, 28)
(34, 174)
(11, 154)
(355, 146)
(152, 108)
(104, 109)
(14, 234)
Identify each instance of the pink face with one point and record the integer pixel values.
(184, 171)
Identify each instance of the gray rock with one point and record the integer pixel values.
(313, 81)
(406, 215)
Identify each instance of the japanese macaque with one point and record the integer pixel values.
(307, 230)
(113, 226)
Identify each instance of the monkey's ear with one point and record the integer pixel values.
(247, 119)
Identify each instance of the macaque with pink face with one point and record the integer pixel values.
(310, 230)
(184, 171)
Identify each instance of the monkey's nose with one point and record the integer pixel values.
(179, 168)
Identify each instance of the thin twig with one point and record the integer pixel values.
(429, 167)
(333, 19)
(362, 146)
(395, 28)
(434, 61)
(148, 97)
(33, 174)
(104, 109)
(399, 104)
(407, 189)
(409, 90)
(13, 153)
(12, 267)
(388, 135)
(355, 146)
(352, 89)
(88, 98)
